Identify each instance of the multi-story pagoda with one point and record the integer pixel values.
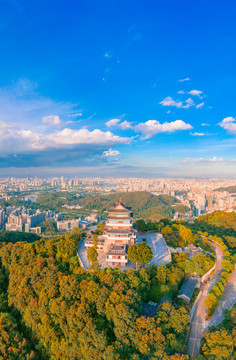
(118, 235)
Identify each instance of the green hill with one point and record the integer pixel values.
(230, 189)
(144, 205)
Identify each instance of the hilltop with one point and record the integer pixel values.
(230, 189)
(143, 204)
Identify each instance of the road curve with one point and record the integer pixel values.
(227, 301)
(199, 317)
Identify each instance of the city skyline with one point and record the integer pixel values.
(125, 89)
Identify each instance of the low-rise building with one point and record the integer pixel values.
(188, 287)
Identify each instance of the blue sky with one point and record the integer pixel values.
(110, 88)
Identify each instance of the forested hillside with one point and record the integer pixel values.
(144, 204)
(230, 189)
(15, 236)
(50, 308)
(221, 339)
(220, 223)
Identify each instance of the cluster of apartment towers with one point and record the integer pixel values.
(118, 234)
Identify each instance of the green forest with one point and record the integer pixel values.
(230, 189)
(221, 339)
(144, 205)
(218, 223)
(51, 308)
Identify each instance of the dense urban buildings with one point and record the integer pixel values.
(201, 196)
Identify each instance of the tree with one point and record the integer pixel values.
(100, 228)
(141, 225)
(167, 230)
(217, 291)
(218, 344)
(140, 253)
(92, 254)
(162, 274)
(227, 266)
(210, 301)
(186, 234)
(95, 241)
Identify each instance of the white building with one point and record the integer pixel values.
(67, 225)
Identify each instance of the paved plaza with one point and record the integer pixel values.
(161, 252)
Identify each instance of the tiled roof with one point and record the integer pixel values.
(149, 310)
(188, 287)
(118, 230)
(119, 208)
(118, 218)
(117, 250)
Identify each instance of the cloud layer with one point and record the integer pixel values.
(151, 127)
(18, 139)
(229, 124)
(110, 153)
(186, 104)
(214, 159)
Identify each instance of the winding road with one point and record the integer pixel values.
(227, 301)
(199, 318)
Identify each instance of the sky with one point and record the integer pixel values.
(118, 88)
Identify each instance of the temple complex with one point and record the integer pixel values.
(117, 236)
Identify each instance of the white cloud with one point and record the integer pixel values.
(198, 134)
(229, 124)
(189, 103)
(204, 124)
(17, 140)
(214, 159)
(168, 101)
(112, 122)
(74, 115)
(116, 122)
(199, 106)
(180, 92)
(186, 79)
(52, 120)
(125, 125)
(23, 104)
(84, 136)
(153, 127)
(110, 152)
(198, 93)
